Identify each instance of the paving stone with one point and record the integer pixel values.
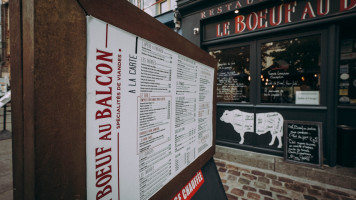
(307, 197)
(249, 176)
(338, 192)
(278, 190)
(286, 180)
(280, 197)
(244, 181)
(295, 187)
(314, 192)
(258, 173)
(249, 188)
(266, 193)
(277, 183)
(238, 192)
(231, 197)
(253, 196)
(271, 176)
(263, 180)
(260, 185)
(234, 172)
(231, 178)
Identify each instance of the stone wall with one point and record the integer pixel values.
(246, 182)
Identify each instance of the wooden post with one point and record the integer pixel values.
(48, 48)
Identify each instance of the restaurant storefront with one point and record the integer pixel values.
(278, 61)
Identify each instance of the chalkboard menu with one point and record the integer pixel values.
(303, 142)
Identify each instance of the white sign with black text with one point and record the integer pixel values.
(307, 97)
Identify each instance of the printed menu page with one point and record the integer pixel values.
(149, 113)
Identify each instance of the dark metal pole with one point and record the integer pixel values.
(4, 117)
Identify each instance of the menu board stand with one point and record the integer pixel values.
(205, 184)
(212, 188)
(61, 62)
(303, 142)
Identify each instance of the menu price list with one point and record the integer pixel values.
(155, 170)
(205, 108)
(174, 108)
(303, 143)
(156, 69)
(185, 112)
(154, 121)
(154, 118)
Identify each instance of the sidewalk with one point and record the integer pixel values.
(6, 192)
(6, 169)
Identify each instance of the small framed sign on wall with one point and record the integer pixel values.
(303, 142)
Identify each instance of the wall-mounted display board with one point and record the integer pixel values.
(109, 103)
(303, 142)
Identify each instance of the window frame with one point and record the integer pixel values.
(255, 69)
(159, 6)
(323, 65)
(252, 66)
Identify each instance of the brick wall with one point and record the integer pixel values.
(243, 182)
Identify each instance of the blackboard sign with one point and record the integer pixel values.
(303, 142)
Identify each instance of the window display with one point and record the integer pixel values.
(347, 68)
(233, 79)
(290, 71)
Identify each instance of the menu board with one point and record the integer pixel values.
(303, 142)
(149, 113)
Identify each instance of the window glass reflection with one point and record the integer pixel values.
(347, 67)
(291, 71)
(233, 75)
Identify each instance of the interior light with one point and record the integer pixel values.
(236, 11)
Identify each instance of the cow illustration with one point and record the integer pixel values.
(244, 122)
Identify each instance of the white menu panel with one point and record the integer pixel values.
(149, 113)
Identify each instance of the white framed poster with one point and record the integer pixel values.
(149, 113)
(307, 97)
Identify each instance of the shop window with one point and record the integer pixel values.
(233, 75)
(162, 6)
(290, 71)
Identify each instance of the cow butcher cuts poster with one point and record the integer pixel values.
(149, 113)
